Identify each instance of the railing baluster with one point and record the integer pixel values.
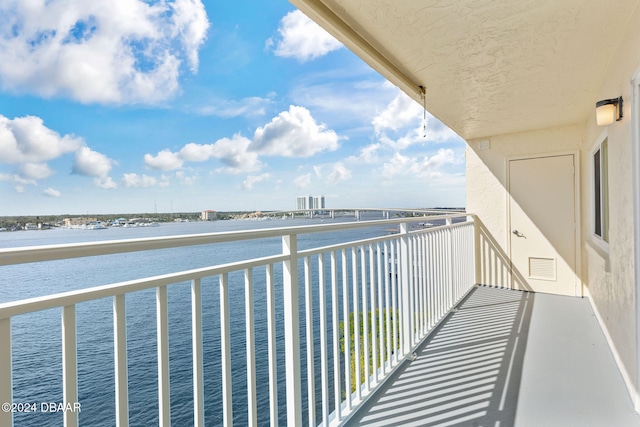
(120, 360)
(252, 384)
(69, 364)
(415, 286)
(389, 311)
(433, 290)
(394, 304)
(356, 321)
(292, 330)
(6, 383)
(336, 336)
(311, 389)
(347, 331)
(449, 256)
(271, 332)
(380, 330)
(324, 354)
(196, 345)
(405, 272)
(423, 287)
(440, 281)
(365, 318)
(162, 315)
(374, 320)
(225, 350)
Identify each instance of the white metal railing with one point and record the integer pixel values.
(390, 290)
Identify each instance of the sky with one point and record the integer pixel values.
(183, 106)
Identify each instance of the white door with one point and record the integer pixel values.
(542, 220)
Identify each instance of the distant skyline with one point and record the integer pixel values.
(181, 106)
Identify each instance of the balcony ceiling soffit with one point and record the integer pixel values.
(489, 67)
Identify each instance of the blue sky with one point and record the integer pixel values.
(182, 106)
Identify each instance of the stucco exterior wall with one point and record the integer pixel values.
(609, 271)
(606, 271)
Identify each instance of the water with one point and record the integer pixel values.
(36, 338)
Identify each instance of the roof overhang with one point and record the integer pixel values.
(489, 67)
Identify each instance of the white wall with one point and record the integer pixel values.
(610, 273)
(607, 273)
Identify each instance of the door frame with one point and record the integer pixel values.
(579, 284)
(635, 173)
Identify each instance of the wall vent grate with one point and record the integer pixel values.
(542, 268)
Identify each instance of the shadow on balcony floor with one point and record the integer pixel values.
(507, 358)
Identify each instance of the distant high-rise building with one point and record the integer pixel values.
(302, 202)
(318, 202)
(310, 202)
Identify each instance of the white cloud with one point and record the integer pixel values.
(248, 183)
(302, 181)
(35, 170)
(402, 124)
(17, 179)
(368, 154)
(134, 180)
(182, 177)
(400, 112)
(235, 154)
(91, 163)
(100, 51)
(339, 173)
(232, 152)
(427, 168)
(294, 133)
(165, 160)
(52, 192)
(28, 140)
(88, 162)
(301, 38)
(105, 182)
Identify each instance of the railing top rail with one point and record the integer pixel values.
(372, 240)
(11, 256)
(14, 308)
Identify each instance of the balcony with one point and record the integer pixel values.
(316, 335)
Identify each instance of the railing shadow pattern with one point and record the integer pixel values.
(467, 372)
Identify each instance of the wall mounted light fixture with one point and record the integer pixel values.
(608, 111)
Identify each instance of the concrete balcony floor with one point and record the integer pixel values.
(507, 358)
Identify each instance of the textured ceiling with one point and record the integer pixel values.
(489, 67)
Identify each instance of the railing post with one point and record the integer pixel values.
(292, 330)
(405, 306)
(6, 385)
(162, 320)
(196, 345)
(477, 251)
(69, 364)
(452, 280)
(225, 351)
(120, 360)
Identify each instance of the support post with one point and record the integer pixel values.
(452, 289)
(405, 306)
(6, 385)
(120, 360)
(292, 330)
(477, 255)
(69, 364)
